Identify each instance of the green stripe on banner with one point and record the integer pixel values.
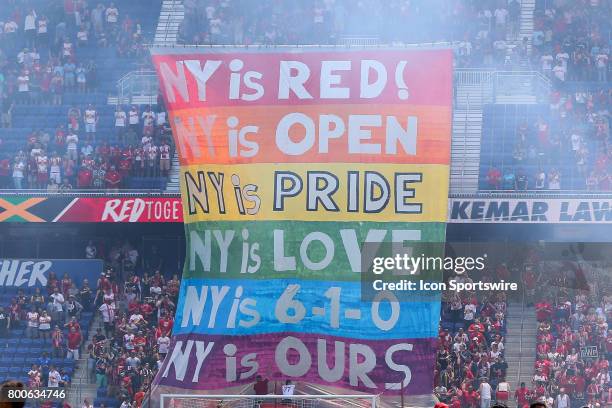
(305, 250)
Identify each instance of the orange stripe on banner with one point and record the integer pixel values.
(203, 134)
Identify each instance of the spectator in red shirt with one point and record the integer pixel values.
(73, 324)
(579, 384)
(138, 398)
(146, 309)
(166, 323)
(520, 395)
(134, 307)
(84, 178)
(140, 340)
(5, 172)
(261, 385)
(543, 310)
(113, 179)
(471, 397)
(476, 328)
(74, 343)
(125, 166)
(494, 178)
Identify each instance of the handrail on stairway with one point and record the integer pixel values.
(520, 365)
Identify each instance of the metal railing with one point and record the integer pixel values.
(164, 27)
(537, 194)
(520, 363)
(143, 83)
(359, 40)
(87, 193)
(473, 76)
(507, 83)
(522, 83)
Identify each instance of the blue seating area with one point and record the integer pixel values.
(499, 138)
(109, 69)
(19, 353)
(102, 398)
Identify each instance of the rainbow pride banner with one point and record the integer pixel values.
(291, 160)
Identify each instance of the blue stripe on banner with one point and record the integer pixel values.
(248, 307)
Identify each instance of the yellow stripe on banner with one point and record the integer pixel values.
(315, 192)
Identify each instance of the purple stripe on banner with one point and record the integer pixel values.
(209, 362)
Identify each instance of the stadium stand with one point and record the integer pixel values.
(58, 82)
(563, 143)
(566, 144)
(35, 333)
(572, 318)
(122, 324)
(471, 347)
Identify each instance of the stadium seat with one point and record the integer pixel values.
(26, 341)
(12, 343)
(15, 370)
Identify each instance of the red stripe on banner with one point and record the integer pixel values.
(417, 77)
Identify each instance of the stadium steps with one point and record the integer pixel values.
(82, 385)
(516, 99)
(520, 344)
(173, 184)
(526, 23)
(465, 150)
(467, 134)
(170, 18)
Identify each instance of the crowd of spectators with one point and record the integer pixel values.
(574, 141)
(52, 314)
(135, 304)
(68, 159)
(574, 342)
(39, 62)
(39, 58)
(485, 33)
(571, 40)
(480, 28)
(571, 46)
(137, 309)
(470, 363)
